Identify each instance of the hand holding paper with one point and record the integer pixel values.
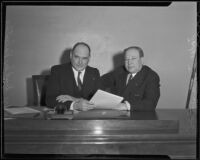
(105, 100)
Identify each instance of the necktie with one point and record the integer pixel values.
(129, 79)
(79, 81)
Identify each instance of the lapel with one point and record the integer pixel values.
(68, 77)
(122, 80)
(86, 80)
(136, 81)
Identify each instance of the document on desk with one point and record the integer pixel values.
(105, 100)
(20, 110)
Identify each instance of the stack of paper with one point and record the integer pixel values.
(20, 110)
(105, 100)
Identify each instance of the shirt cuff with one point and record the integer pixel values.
(71, 106)
(127, 105)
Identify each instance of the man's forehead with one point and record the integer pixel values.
(81, 53)
(132, 52)
(81, 46)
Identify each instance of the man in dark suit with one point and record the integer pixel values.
(73, 84)
(137, 83)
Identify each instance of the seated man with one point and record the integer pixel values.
(137, 83)
(73, 84)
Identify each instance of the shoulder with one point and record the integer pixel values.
(150, 72)
(60, 67)
(92, 70)
(119, 70)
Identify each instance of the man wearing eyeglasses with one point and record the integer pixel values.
(137, 83)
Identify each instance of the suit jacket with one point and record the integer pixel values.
(62, 82)
(142, 92)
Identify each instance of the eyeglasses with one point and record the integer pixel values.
(131, 59)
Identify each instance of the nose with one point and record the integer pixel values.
(79, 61)
(129, 62)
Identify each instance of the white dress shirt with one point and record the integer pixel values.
(133, 74)
(76, 76)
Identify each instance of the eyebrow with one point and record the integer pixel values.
(80, 57)
(130, 58)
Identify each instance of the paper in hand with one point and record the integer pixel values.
(105, 100)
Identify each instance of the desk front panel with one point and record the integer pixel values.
(165, 135)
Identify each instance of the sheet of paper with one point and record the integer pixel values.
(105, 100)
(20, 110)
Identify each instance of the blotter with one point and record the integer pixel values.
(105, 100)
(61, 116)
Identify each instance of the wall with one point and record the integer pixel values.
(38, 37)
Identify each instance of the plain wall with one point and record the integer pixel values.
(38, 37)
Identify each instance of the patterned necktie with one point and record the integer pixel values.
(79, 81)
(129, 79)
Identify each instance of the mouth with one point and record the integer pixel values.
(79, 67)
(131, 67)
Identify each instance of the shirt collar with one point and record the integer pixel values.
(75, 71)
(133, 74)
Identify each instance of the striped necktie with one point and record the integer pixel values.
(79, 81)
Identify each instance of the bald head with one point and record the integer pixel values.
(80, 56)
(81, 44)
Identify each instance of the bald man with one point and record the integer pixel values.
(73, 84)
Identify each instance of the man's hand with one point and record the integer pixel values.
(83, 105)
(65, 98)
(121, 107)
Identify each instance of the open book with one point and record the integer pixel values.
(105, 100)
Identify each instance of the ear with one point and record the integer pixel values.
(71, 55)
(142, 60)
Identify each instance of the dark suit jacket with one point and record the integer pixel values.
(62, 82)
(142, 92)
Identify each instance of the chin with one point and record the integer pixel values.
(132, 70)
(80, 69)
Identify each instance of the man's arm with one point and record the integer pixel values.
(98, 82)
(107, 81)
(53, 96)
(53, 89)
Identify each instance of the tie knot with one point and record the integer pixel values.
(79, 73)
(130, 76)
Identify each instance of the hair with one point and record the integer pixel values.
(141, 53)
(81, 43)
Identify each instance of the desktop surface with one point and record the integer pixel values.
(161, 132)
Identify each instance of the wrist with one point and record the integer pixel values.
(76, 105)
(127, 104)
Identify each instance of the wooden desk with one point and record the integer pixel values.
(163, 132)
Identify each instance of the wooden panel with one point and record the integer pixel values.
(140, 126)
(143, 137)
